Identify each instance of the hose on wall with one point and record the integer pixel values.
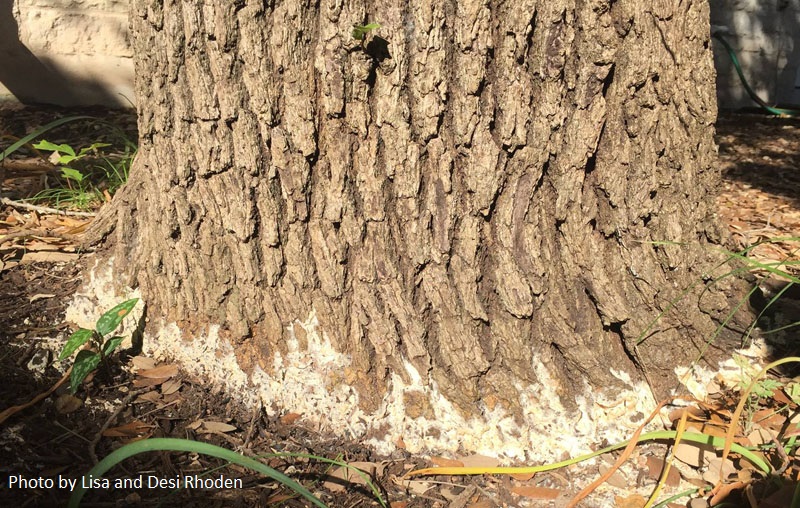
(772, 110)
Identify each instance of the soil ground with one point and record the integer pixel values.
(62, 435)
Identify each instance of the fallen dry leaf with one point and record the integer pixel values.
(162, 371)
(443, 462)
(656, 465)
(171, 386)
(415, 487)
(48, 257)
(718, 469)
(143, 362)
(533, 492)
(211, 426)
(522, 477)
(694, 454)
(760, 436)
(172, 397)
(617, 479)
(342, 476)
(457, 496)
(290, 418)
(152, 397)
(480, 461)
(134, 428)
(632, 501)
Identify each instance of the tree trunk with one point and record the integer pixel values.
(455, 220)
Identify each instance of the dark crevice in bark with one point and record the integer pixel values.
(372, 76)
(528, 39)
(591, 163)
(630, 351)
(608, 80)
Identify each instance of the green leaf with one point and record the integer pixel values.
(765, 387)
(112, 344)
(85, 362)
(52, 147)
(38, 132)
(360, 31)
(111, 319)
(63, 160)
(793, 391)
(75, 341)
(72, 174)
(92, 149)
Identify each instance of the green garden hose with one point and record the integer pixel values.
(750, 92)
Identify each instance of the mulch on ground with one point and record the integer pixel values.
(65, 435)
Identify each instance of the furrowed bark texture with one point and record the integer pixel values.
(476, 191)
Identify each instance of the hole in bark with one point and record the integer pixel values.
(653, 194)
(608, 80)
(593, 224)
(559, 223)
(646, 220)
(378, 48)
(591, 162)
(655, 78)
(373, 75)
(615, 327)
(176, 234)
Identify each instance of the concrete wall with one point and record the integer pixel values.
(66, 52)
(766, 37)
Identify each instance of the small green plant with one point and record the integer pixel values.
(762, 388)
(64, 154)
(87, 360)
(87, 187)
(360, 31)
(38, 132)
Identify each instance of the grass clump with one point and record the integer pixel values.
(88, 176)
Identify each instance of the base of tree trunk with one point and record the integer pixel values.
(312, 379)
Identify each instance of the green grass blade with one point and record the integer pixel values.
(185, 445)
(38, 132)
(693, 437)
(364, 476)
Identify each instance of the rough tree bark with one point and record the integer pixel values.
(451, 222)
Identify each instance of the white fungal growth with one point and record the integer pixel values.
(308, 379)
